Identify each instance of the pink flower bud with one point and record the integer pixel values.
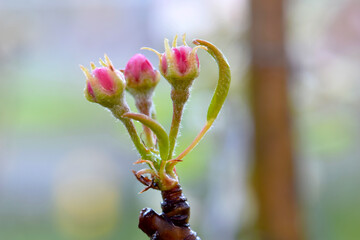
(182, 62)
(140, 75)
(105, 78)
(179, 65)
(104, 85)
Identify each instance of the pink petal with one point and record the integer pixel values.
(90, 91)
(104, 78)
(137, 66)
(181, 58)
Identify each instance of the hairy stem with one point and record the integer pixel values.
(135, 138)
(196, 141)
(118, 111)
(144, 105)
(179, 98)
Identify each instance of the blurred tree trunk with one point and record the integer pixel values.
(273, 176)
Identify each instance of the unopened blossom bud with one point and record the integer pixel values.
(104, 85)
(179, 65)
(141, 77)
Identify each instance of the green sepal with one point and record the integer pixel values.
(158, 130)
(223, 84)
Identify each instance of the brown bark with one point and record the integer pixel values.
(173, 223)
(274, 178)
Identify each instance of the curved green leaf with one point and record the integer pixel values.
(223, 84)
(158, 130)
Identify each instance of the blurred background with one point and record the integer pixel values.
(65, 164)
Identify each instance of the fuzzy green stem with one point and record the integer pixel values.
(156, 128)
(118, 111)
(149, 139)
(196, 140)
(144, 105)
(179, 98)
(135, 138)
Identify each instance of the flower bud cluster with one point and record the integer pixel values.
(105, 85)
